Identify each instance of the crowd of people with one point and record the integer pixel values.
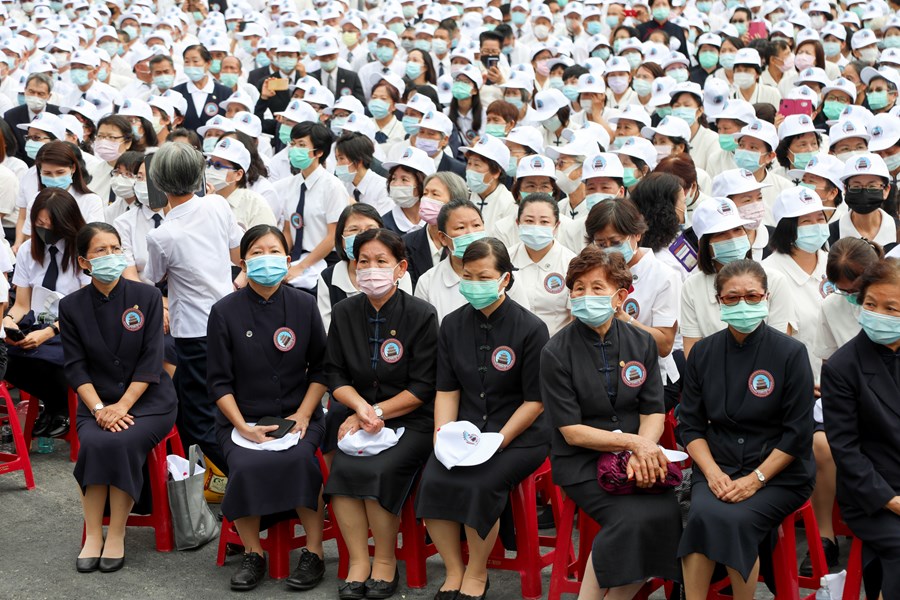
(588, 215)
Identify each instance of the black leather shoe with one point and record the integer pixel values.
(378, 589)
(446, 595)
(309, 572)
(59, 427)
(352, 590)
(545, 518)
(110, 565)
(41, 425)
(483, 595)
(87, 565)
(832, 559)
(252, 571)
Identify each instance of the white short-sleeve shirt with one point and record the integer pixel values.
(192, 248)
(887, 232)
(495, 206)
(838, 324)
(90, 205)
(133, 226)
(30, 273)
(544, 283)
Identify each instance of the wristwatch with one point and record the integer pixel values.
(378, 411)
(760, 476)
(97, 407)
(54, 328)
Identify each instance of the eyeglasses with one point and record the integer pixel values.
(872, 187)
(110, 138)
(37, 138)
(841, 292)
(748, 298)
(219, 166)
(115, 173)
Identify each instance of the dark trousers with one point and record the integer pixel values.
(196, 411)
(44, 380)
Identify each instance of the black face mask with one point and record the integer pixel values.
(47, 235)
(864, 201)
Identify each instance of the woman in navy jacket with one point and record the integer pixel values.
(861, 400)
(112, 336)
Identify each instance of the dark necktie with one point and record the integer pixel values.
(157, 219)
(350, 57)
(386, 70)
(356, 195)
(297, 224)
(52, 273)
(440, 69)
(381, 137)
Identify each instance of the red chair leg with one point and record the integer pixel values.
(784, 558)
(413, 550)
(278, 542)
(162, 518)
(20, 461)
(853, 583)
(562, 561)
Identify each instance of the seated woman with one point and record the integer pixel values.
(380, 360)
(862, 416)
(266, 353)
(628, 415)
(746, 420)
(112, 335)
(487, 374)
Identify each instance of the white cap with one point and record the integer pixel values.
(715, 97)
(840, 84)
(796, 202)
(326, 45)
(863, 38)
(847, 128)
(461, 444)
(414, 159)
(132, 107)
(360, 123)
(887, 73)
(536, 166)
(248, 123)
(715, 216)
(239, 97)
(659, 91)
(527, 136)
(796, 125)
(233, 151)
(178, 101)
(735, 181)
(865, 164)
(674, 58)
(419, 103)
(363, 443)
(813, 74)
(602, 164)
(48, 123)
(617, 64)
(804, 92)
(319, 94)
(287, 44)
(589, 83)
(435, 120)
(748, 56)
(85, 57)
(84, 108)
(218, 123)
(491, 148)
(885, 132)
(687, 87)
(393, 80)
(73, 125)
(349, 103)
(671, 127)
(854, 111)
(761, 130)
(298, 111)
(587, 141)
(710, 39)
(546, 104)
(822, 165)
(472, 73)
(632, 112)
(640, 148)
(738, 110)
(520, 79)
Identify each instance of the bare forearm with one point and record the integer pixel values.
(446, 408)
(401, 404)
(520, 420)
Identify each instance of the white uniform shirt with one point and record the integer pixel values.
(579, 213)
(495, 206)
(545, 283)
(372, 191)
(118, 208)
(654, 301)
(133, 227)
(700, 315)
(9, 189)
(704, 145)
(250, 209)
(340, 278)
(90, 205)
(887, 233)
(439, 286)
(29, 273)
(507, 231)
(192, 248)
(777, 183)
(572, 234)
(808, 291)
(838, 324)
(264, 188)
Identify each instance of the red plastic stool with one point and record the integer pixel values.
(19, 461)
(71, 437)
(160, 517)
(853, 583)
(280, 539)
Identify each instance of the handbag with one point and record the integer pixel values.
(193, 523)
(612, 475)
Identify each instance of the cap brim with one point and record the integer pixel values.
(487, 447)
(727, 224)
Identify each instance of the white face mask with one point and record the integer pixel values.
(35, 104)
(217, 178)
(744, 80)
(565, 183)
(403, 196)
(122, 186)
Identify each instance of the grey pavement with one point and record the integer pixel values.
(40, 537)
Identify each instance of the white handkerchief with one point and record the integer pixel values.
(288, 441)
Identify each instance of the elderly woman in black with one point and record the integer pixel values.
(600, 353)
(266, 353)
(381, 353)
(112, 337)
(861, 400)
(746, 421)
(487, 374)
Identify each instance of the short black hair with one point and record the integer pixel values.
(487, 36)
(258, 231)
(785, 234)
(204, 53)
(387, 237)
(741, 267)
(87, 233)
(705, 259)
(451, 206)
(623, 215)
(320, 136)
(357, 147)
(160, 58)
(655, 196)
(493, 248)
(192, 136)
(540, 197)
(359, 208)
(503, 28)
(131, 160)
(781, 152)
(574, 71)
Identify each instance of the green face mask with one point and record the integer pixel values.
(461, 242)
(833, 108)
(628, 178)
(480, 294)
(300, 158)
(877, 100)
(708, 59)
(727, 142)
(744, 317)
(284, 134)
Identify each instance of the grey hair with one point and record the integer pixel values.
(454, 183)
(177, 169)
(42, 78)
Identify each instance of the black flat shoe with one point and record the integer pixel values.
(87, 565)
(379, 589)
(41, 425)
(352, 590)
(446, 595)
(59, 427)
(483, 595)
(309, 572)
(251, 572)
(110, 565)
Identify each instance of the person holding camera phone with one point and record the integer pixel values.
(266, 347)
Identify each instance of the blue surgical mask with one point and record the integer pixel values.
(461, 242)
(286, 64)
(195, 74)
(518, 103)
(747, 159)
(423, 45)
(229, 80)
(215, 66)
(801, 159)
(348, 245)
(410, 124)
(744, 317)
(811, 237)
(593, 311)
(164, 82)
(475, 181)
(108, 268)
(300, 158)
(730, 250)
(384, 54)
(591, 200)
(267, 270)
(594, 27)
(262, 60)
(209, 144)
(379, 108)
(480, 294)
(679, 75)
(535, 237)
(62, 182)
(624, 249)
(439, 47)
(461, 90)
(642, 87)
(686, 114)
(881, 329)
(344, 173)
(32, 147)
(413, 70)
(726, 61)
(80, 77)
(601, 53)
(570, 92)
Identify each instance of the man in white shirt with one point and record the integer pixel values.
(193, 250)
